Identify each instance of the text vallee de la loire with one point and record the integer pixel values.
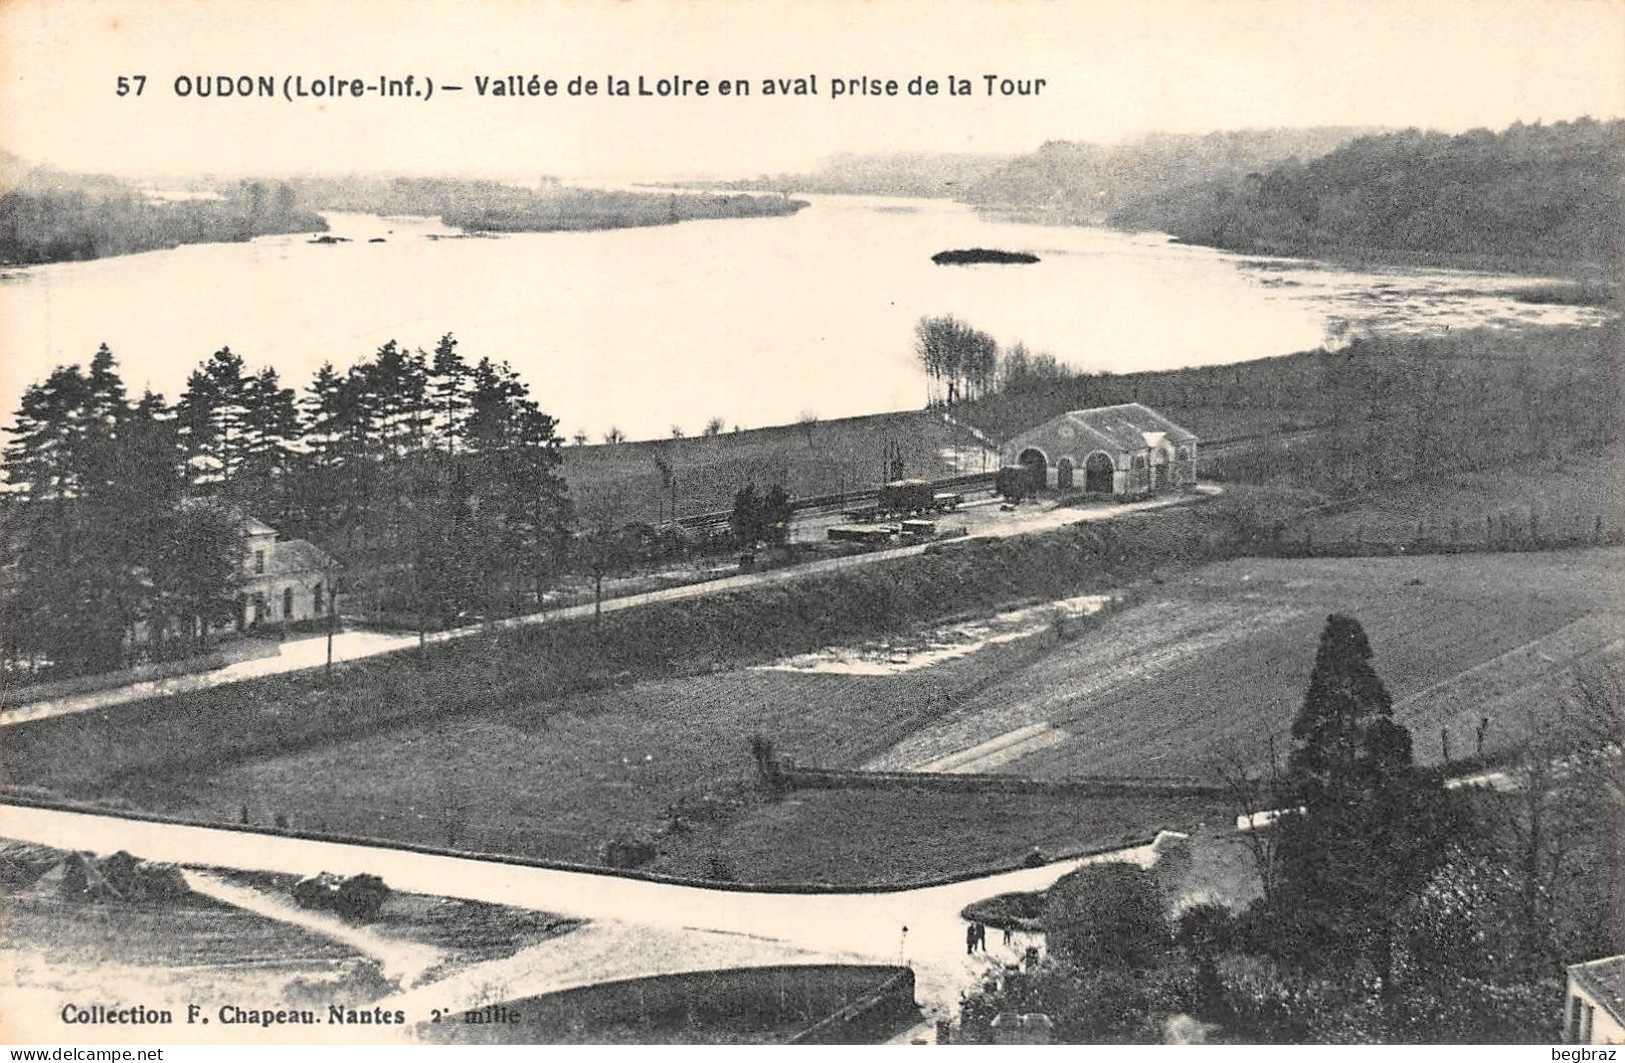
(806, 85)
(518, 86)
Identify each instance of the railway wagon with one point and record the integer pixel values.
(908, 496)
(917, 529)
(871, 534)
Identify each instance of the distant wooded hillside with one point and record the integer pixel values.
(1531, 192)
(48, 215)
(1074, 182)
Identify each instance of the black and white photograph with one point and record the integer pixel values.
(694, 522)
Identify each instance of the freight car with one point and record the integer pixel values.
(871, 534)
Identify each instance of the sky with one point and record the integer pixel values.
(1111, 71)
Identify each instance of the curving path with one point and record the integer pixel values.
(664, 927)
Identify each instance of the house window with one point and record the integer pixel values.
(1573, 1030)
(319, 602)
(259, 607)
(287, 603)
(259, 562)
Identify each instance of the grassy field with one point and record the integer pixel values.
(557, 778)
(900, 836)
(1218, 661)
(815, 458)
(54, 950)
(467, 931)
(197, 934)
(1561, 498)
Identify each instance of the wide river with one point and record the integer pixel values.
(756, 321)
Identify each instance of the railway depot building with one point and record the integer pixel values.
(1127, 451)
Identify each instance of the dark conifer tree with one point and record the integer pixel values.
(1371, 827)
(448, 391)
(270, 426)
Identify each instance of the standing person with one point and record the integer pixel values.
(970, 939)
(981, 936)
(1007, 935)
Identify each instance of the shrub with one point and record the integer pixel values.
(1259, 1004)
(627, 850)
(358, 897)
(1105, 915)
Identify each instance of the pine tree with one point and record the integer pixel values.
(1345, 697)
(211, 416)
(270, 426)
(448, 391)
(1371, 829)
(42, 457)
(322, 434)
(397, 395)
(101, 481)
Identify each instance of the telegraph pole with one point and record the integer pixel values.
(332, 619)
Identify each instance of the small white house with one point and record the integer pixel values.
(1594, 1008)
(284, 581)
(1126, 451)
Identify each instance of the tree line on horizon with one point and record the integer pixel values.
(1531, 192)
(1074, 182)
(50, 216)
(433, 479)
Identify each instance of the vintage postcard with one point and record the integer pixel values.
(844, 522)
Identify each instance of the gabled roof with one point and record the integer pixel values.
(295, 556)
(1604, 979)
(254, 526)
(1127, 426)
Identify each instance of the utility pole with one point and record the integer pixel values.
(332, 619)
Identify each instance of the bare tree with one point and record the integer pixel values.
(603, 536)
(714, 426)
(1253, 795)
(1564, 778)
(1597, 706)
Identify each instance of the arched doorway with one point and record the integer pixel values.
(1063, 474)
(1032, 459)
(1097, 473)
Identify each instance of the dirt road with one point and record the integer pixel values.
(768, 928)
(301, 655)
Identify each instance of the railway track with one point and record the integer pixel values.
(836, 502)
